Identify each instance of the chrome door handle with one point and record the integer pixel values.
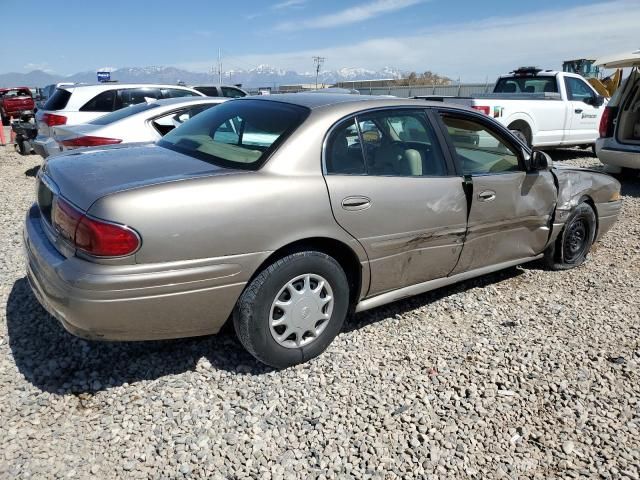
(487, 196)
(578, 110)
(356, 202)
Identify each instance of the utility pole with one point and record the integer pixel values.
(318, 61)
(219, 67)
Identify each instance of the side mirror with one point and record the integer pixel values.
(538, 161)
(596, 101)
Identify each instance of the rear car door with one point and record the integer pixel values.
(584, 111)
(510, 209)
(393, 188)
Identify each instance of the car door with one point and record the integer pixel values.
(584, 111)
(510, 209)
(394, 189)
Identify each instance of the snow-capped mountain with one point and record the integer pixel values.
(262, 75)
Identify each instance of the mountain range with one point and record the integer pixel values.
(261, 76)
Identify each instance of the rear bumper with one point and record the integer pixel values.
(45, 146)
(618, 155)
(133, 302)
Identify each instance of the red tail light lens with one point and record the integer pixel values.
(95, 237)
(90, 141)
(52, 119)
(482, 108)
(606, 122)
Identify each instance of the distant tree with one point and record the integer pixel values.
(425, 78)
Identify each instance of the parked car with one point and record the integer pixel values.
(619, 142)
(75, 104)
(144, 122)
(286, 212)
(544, 108)
(229, 91)
(15, 102)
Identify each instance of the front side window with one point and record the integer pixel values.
(480, 150)
(577, 89)
(238, 134)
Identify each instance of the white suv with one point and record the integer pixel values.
(74, 104)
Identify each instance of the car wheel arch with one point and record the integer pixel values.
(340, 251)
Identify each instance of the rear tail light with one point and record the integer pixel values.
(95, 237)
(51, 119)
(482, 108)
(606, 121)
(90, 141)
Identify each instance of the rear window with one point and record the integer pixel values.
(58, 100)
(16, 92)
(239, 134)
(232, 92)
(530, 84)
(123, 113)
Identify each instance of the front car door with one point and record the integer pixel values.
(394, 189)
(511, 209)
(584, 111)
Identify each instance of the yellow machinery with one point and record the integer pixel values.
(585, 66)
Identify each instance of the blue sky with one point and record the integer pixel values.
(471, 39)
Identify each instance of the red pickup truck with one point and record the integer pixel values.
(15, 101)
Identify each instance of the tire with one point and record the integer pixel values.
(256, 315)
(571, 248)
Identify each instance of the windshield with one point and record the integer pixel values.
(530, 84)
(123, 113)
(237, 134)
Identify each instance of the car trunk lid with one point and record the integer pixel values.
(84, 176)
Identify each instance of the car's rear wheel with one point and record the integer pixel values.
(293, 309)
(574, 242)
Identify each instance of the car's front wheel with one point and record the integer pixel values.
(574, 242)
(293, 309)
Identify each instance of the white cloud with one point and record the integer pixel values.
(356, 14)
(44, 66)
(486, 48)
(288, 4)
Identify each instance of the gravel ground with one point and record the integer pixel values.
(521, 374)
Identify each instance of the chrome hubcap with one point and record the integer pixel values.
(301, 310)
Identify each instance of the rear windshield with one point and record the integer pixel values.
(58, 100)
(16, 92)
(236, 134)
(123, 113)
(526, 85)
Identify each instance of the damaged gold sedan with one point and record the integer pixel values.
(284, 213)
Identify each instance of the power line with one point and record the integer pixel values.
(318, 61)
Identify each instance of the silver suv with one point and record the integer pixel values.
(619, 142)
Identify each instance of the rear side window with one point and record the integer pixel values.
(123, 113)
(209, 91)
(59, 99)
(232, 92)
(177, 92)
(238, 134)
(103, 102)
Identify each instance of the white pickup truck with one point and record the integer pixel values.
(543, 107)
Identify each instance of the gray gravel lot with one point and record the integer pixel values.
(521, 374)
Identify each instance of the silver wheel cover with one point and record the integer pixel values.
(301, 310)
